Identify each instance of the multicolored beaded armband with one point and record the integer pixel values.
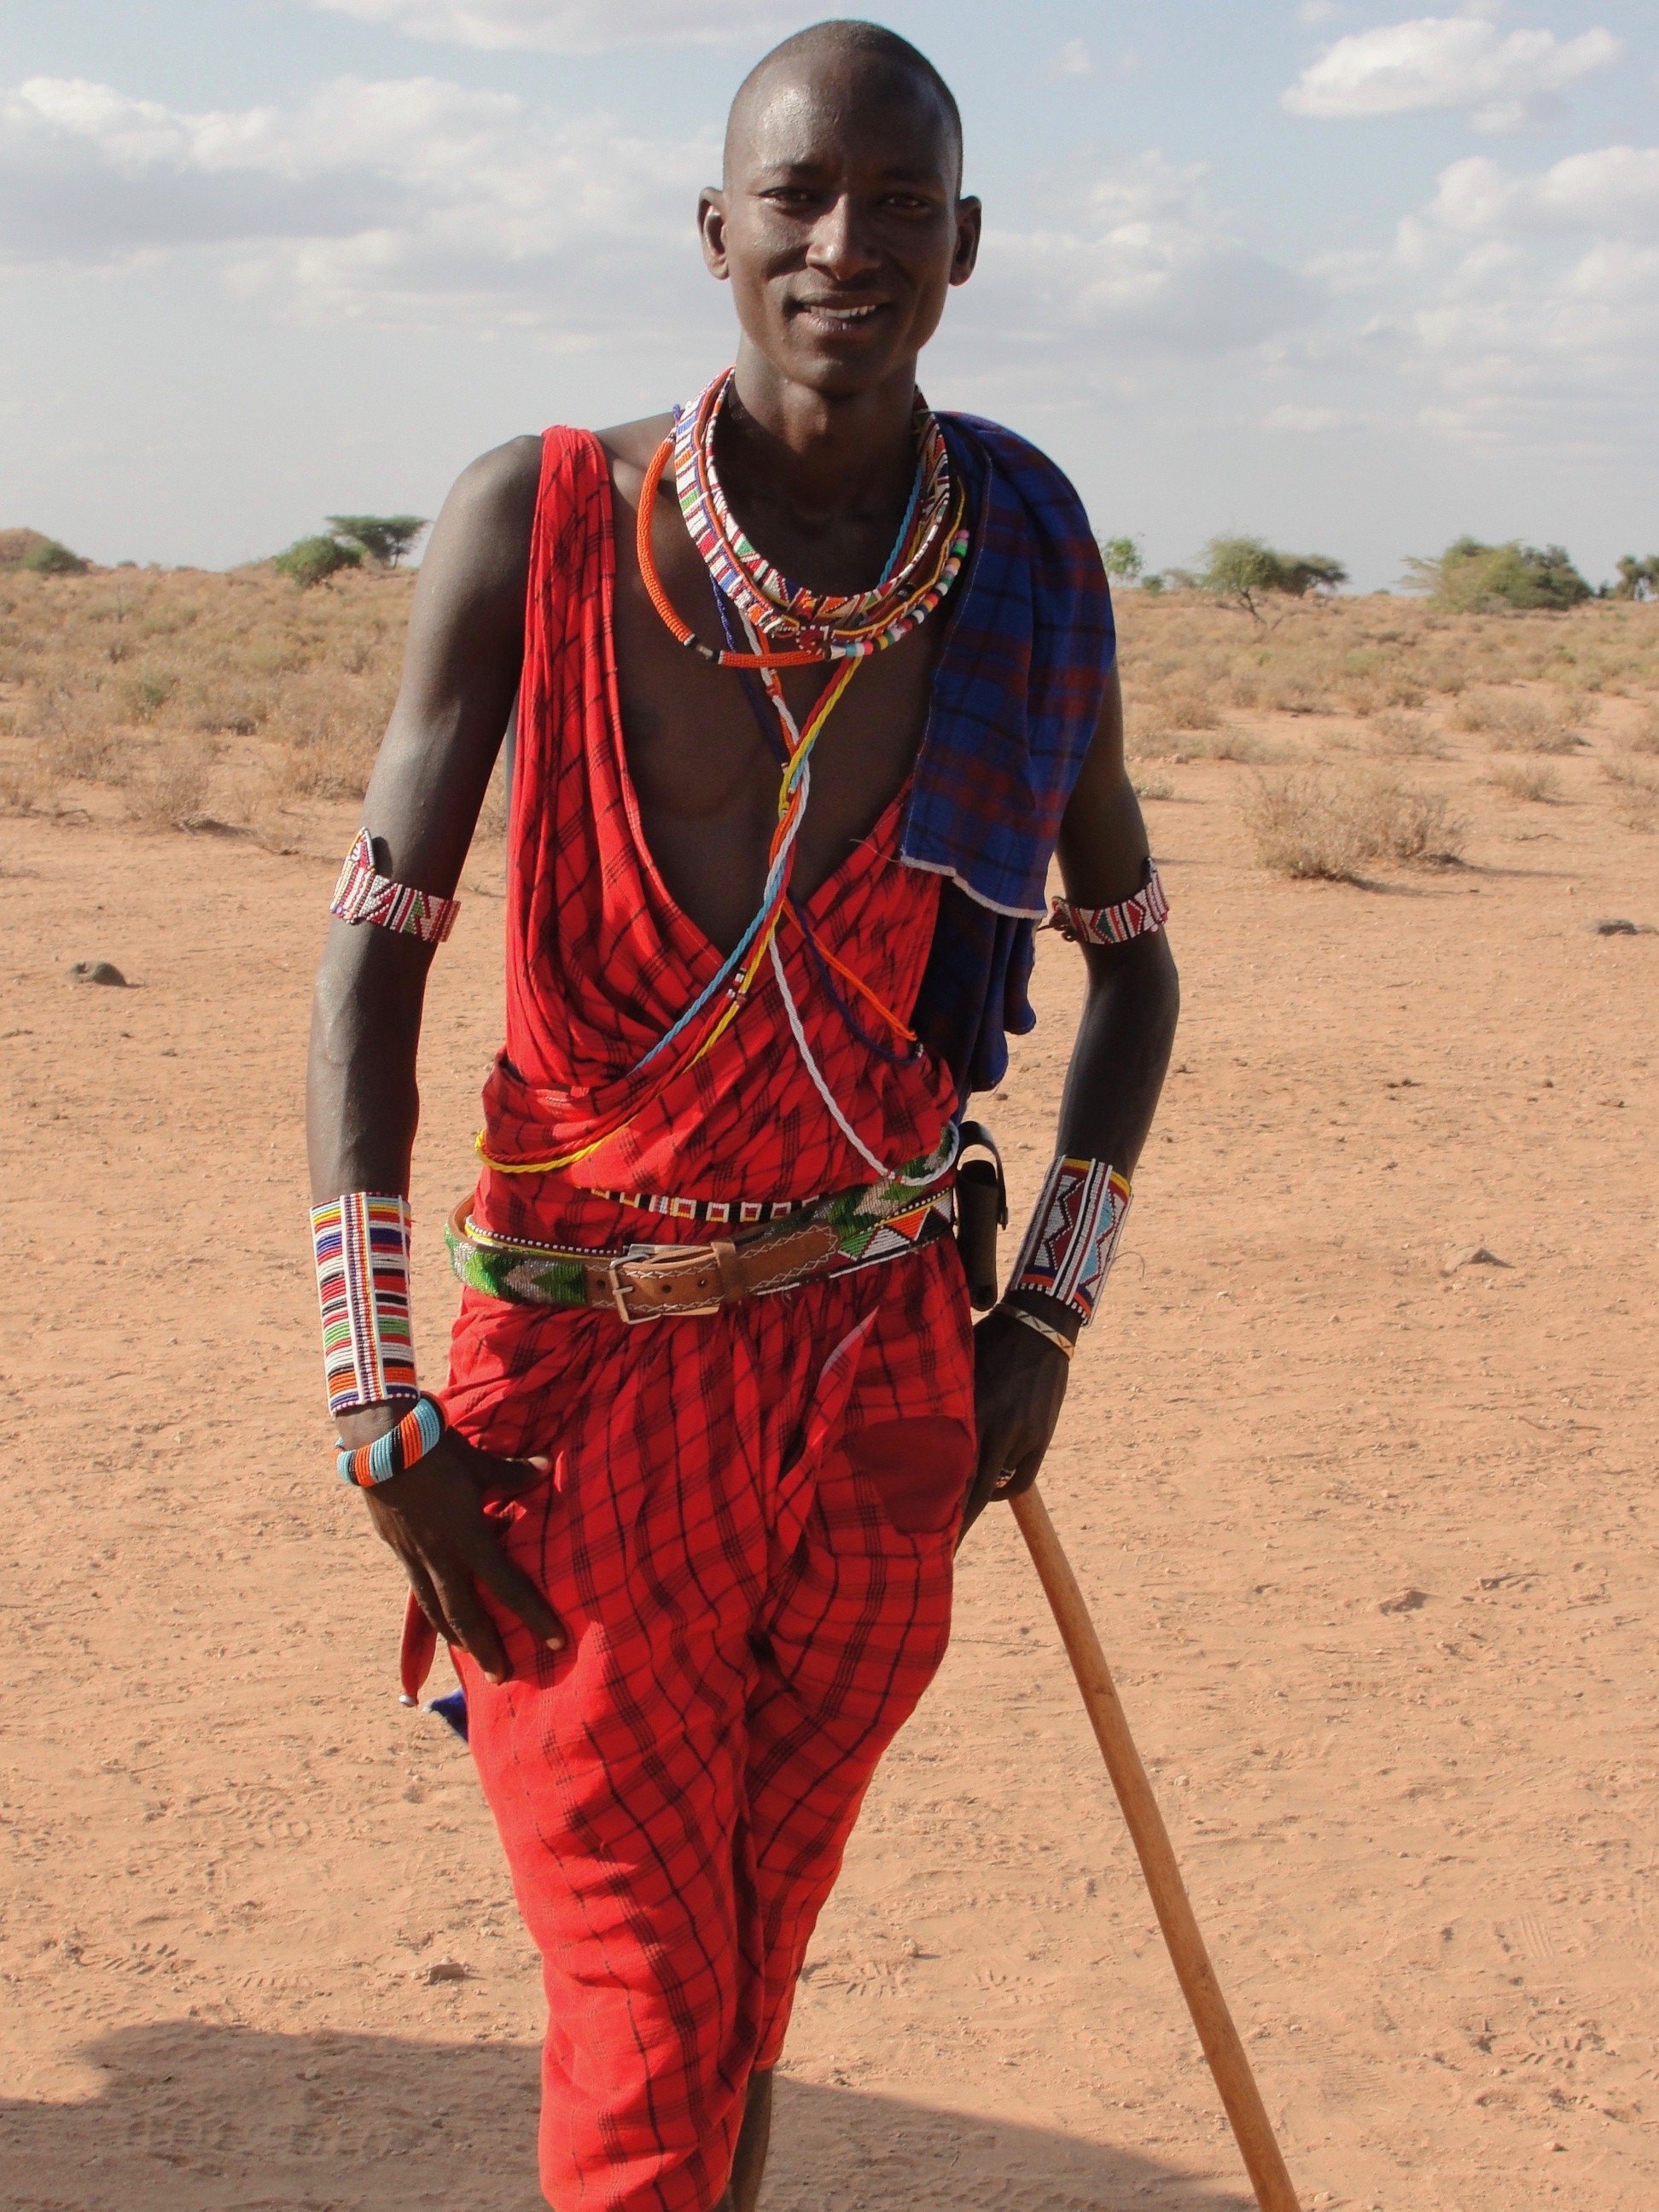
(362, 894)
(361, 1240)
(398, 1449)
(1072, 1239)
(1143, 915)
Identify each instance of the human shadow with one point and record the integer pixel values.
(193, 2116)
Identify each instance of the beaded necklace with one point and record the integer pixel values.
(797, 627)
(839, 628)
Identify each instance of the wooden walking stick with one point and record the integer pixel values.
(1263, 2160)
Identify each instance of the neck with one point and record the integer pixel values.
(825, 457)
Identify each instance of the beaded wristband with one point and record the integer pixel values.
(1143, 915)
(398, 1449)
(362, 1244)
(1057, 1337)
(1072, 1239)
(362, 894)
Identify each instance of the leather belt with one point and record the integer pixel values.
(651, 1282)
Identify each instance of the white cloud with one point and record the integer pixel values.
(1142, 264)
(383, 200)
(1522, 308)
(1500, 80)
(1072, 59)
(571, 25)
(414, 200)
(1305, 421)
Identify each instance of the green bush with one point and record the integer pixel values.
(52, 559)
(384, 537)
(1246, 570)
(1471, 578)
(1637, 580)
(312, 561)
(1122, 557)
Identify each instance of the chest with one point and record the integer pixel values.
(701, 746)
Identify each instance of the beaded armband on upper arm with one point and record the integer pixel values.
(362, 894)
(1143, 915)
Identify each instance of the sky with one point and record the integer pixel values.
(1357, 280)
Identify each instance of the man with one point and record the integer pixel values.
(716, 1418)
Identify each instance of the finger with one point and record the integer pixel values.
(427, 1598)
(508, 1478)
(514, 1588)
(981, 1491)
(1016, 1483)
(476, 1632)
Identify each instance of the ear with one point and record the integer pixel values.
(970, 221)
(711, 228)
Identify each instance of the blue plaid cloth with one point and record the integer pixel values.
(1017, 699)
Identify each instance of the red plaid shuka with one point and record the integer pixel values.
(749, 1525)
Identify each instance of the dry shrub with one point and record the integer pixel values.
(142, 696)
(1636, 789)
(88, 751)
(1410, 735)
(1290, 690)
(1632, 775)
(256, 805)
(169, 790)
(324, 762)
(1153, 787)
(1518, 725)
(1180, 707)
(1529, 779)
(1304, 825)
(1645, 737)
(26, 786)
(1477, 712)
(1239, 746)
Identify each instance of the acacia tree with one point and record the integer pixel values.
(311, 561)
(1244, 571)
(1473, 578)
(1123, 560)
(1637, 580)
(384, 537)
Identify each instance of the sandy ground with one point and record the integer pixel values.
(1422, 1839)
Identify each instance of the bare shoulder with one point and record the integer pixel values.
(483, 530)
(630, 447)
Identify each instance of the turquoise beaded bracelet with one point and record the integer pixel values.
(394, 1452)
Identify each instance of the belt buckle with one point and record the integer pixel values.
(619, 1289)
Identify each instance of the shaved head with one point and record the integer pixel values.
(836, 48)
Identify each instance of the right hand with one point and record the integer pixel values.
(433, 1517)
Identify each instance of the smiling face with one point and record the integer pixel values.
(840, 226)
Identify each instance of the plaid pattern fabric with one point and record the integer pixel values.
(748, 1532)
(749, 1524)
(600, 959)
(1020, 683)
(1016, 700)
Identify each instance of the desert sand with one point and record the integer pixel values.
(1366, 1522)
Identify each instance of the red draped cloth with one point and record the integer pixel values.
(749, 1523)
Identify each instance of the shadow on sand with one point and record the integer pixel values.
(194, 2117)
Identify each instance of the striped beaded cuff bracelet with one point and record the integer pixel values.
(363, 894)
(1142, 915)
(361, 1240)
(396, 1450)
(1072, 1239)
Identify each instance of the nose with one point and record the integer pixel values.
(838, 248)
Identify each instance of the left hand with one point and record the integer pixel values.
(1019, 1386)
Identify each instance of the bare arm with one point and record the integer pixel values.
(461, 668)
(1112, 1087)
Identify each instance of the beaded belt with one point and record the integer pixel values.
(852, 1229)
